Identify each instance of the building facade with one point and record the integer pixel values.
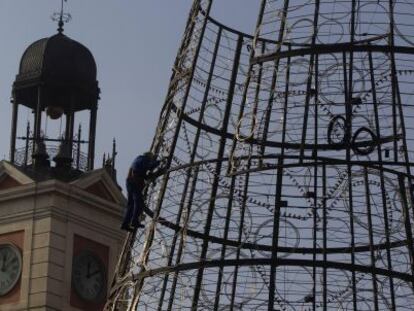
(59, 216)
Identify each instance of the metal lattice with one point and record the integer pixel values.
(290, 153)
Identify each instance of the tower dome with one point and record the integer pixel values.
(63, 68)
(57, 77)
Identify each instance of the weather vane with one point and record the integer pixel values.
(61, 17)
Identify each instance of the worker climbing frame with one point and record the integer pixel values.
(289, 156)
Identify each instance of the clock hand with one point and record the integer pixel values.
(8, 262)
(89, 267)
(93, 273)
(3, 267)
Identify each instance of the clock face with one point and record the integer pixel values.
(89, 277)
(10, 267)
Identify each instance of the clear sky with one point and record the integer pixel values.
(134, 43)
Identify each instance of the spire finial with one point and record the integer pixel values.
(61, 17)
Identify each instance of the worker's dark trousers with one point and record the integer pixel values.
(135, 205)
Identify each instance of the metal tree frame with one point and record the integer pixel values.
(289, 152)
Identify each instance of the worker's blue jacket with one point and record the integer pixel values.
(138, 171)
(143, 164)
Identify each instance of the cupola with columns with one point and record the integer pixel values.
(56, 79)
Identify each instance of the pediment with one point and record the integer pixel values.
(99, 183)
(11, 177)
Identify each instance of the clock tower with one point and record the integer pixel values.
(59, 215)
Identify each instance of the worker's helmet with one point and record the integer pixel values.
(149, 155)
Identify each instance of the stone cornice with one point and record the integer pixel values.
(65, 215)
(70, 192)
(102, 175)
(8, 169)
